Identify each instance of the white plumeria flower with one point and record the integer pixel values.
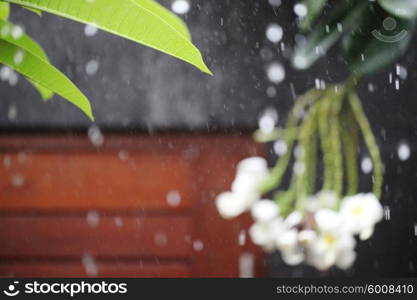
(334, 245)
(293, 219)
(255, 164)
(231, 204)
(264, 234)
(287, 243)
(328, 220)
(361, 213)
(251, 172)
(264, 210)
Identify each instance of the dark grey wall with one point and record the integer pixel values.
(138, 88)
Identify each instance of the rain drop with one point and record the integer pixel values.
(90, 29)
(180, 6)
(274, 33)
(276, 72)
(173, 198)
(280, 147)
(95, 136)
(198, 245)
(91, 67)
(403, 151)
(93, 218)
(366, 165)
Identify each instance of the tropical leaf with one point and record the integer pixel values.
(314, 9)
(325, 35)
(25, 42)
(371, 48)
(400, 8)
(36, 11)
(170, 18)
(136, 20)
(4, 10)
(43, 73)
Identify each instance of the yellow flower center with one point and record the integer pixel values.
(329, 239)
(357, 210)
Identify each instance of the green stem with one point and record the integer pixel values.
(275, 177)
(336, 146)
(350, 144)
(325, 141)
(370, 141)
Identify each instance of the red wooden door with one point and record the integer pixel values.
(138, 206)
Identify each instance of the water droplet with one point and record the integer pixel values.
(198, 245)
(268, 120)
(300, 9)
(274, 33)
(118, 222)
(161, 240)
(17, 180)
(7, 161)
(274, 3)
(242, 238)
(93, 218)
(12, 113)
(89, 265)
(366, 165)
(91, 67)
(299, 168)
(90, 29)
(17, 32)
(387, 213)
(403, 151)
(276, 72)
(180, 6)
(123, 155)
(271, 91)
(280, 147)
(401, 72)
(95, 136)
(18, 57)
(173, 198)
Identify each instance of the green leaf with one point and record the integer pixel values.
(4, 10)
(400, 8)
(29, 45)
(132, 19)
(166, 15)
(43, 73)
(325, 35)
(314, 9)
(36, 11)
(371, 47)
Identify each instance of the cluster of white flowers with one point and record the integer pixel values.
(250, 173)
(322, 235)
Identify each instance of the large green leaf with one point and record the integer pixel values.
(168, 17)
(25, 42)
(325, 35)
(4, 10)
(314, 9)
(43, 73)
(400, 8)
(137, 20)
(371, 47)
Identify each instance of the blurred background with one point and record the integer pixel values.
(132, 194)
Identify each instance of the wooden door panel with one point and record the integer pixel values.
(138, 206)
(76, 236)
(83, 181)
